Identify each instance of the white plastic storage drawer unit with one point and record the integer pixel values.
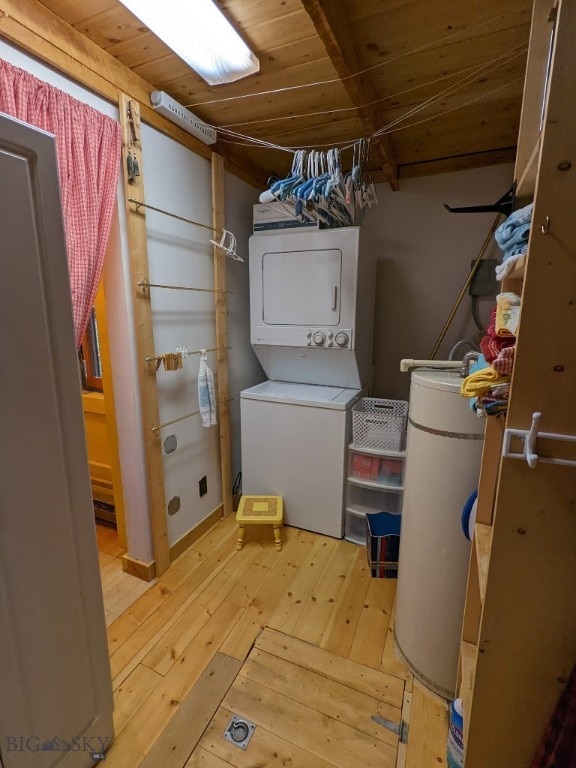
(375, 482)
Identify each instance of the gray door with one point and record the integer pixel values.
(56, 701)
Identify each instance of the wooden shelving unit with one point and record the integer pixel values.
(519, 632)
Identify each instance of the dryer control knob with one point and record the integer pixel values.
(319, 338)
(309, 335)
(342, 339)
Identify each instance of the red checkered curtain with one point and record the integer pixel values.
(88, 146)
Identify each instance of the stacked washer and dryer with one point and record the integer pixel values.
(311, 316)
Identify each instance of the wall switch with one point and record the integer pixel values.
(202, 486)
(484, 281)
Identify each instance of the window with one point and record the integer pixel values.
(89, 356)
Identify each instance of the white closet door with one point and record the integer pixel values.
(56, 700)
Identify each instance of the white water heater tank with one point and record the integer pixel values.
(444, 449)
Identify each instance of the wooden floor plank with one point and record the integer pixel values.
(341, 629)
(321, 694)
(131, 694)
(370, 638)
(296, 598)
(162, 657)
(180, 737)
(267, 749)
(104, 558)
(314, 618)
(266, 600)
(428, 728)
(201, 758)
(147, 724)
(125, 593)
(218, 589)
(316, 733)
(266, 561)
(391, 662)
(119, 631)
(350, 673)
(157, 623)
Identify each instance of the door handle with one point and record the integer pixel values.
(334, 297)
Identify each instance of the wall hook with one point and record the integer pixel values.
(546, 226)
(529, 437)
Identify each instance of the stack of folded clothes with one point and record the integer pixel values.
(512, 237)
(488, 385)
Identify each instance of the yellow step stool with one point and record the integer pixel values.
(257, 510)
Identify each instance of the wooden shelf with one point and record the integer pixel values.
(517, 273)
(483, 543)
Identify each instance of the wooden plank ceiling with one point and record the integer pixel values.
(407, 51)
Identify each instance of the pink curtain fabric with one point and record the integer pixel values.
(88, 146)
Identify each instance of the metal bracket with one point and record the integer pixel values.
(528, 437)
(400, 728)
(239, 731)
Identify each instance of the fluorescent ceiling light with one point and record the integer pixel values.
(198, 32)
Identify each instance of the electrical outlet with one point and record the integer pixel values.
(203, 486)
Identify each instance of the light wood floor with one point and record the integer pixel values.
(278, 637)
(120, 589)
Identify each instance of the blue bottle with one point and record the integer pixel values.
(455, 751)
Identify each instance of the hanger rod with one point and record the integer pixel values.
(140, 204)
(186, 416)
(193, 352)
(146, 284)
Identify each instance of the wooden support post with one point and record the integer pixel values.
(221, 333)
(137, 242)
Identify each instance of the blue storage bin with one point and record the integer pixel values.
(383, 544)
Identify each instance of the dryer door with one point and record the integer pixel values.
(302, 288)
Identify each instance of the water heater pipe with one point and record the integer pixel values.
(406, 364)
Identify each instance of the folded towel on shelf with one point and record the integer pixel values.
(491, 344)
(503, 270)
(481, 382)
(507, 314)
(512, 237)
(513, 233)
(206, 397)
(504, 363)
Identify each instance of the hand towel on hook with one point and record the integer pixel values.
(206, 397)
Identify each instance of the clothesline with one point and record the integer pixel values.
(175, 358)
(146, 284)
(187, 416)
(229, 247)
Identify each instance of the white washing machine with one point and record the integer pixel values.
(294, 439)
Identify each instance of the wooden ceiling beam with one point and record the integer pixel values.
(332, 24)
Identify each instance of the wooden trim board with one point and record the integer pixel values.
(137, 243)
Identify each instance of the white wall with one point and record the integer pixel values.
(424, 255)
